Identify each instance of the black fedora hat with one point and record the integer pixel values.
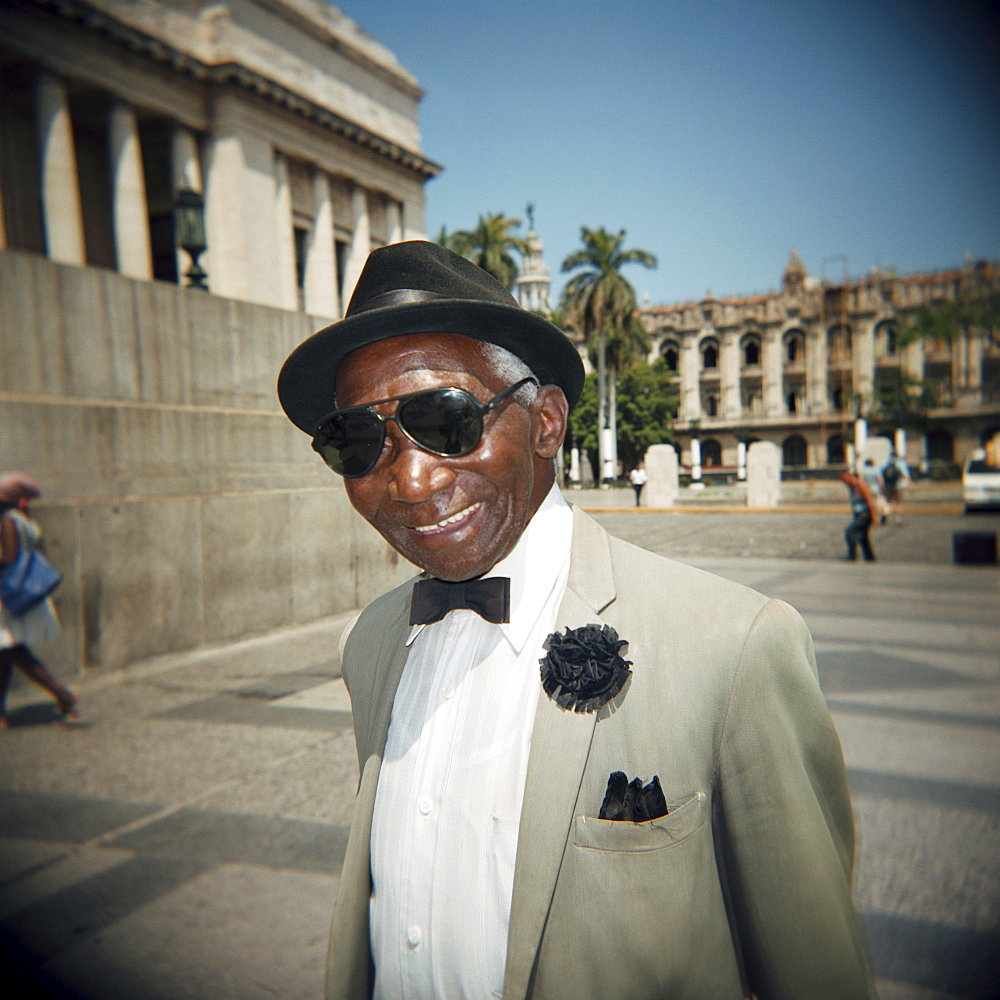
(420, 287)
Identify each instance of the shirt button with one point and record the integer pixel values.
(414, 936)
(425, 806)
(448, 691)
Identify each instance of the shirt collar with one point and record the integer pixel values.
(534, 566)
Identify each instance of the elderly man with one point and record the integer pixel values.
(586, 771)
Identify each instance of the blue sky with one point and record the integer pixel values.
(719, 134)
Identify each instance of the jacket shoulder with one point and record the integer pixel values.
(661, 580)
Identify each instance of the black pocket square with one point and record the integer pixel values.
(631, 800)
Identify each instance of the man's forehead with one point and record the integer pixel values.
(423, 352)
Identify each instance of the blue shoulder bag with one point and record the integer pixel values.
(28, 580)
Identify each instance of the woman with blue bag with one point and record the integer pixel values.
(25, 617)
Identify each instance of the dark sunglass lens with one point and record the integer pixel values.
(350, 443)
(443, 420)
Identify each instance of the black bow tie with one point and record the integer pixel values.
(433, 599)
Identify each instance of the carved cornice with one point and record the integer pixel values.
(140, 43)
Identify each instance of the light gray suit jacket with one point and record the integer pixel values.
(744, 887)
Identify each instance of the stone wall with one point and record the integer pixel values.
(181, 505)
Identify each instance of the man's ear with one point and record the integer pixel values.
(551, 415)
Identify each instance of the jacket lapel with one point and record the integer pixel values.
(388, 670)
(560, 744)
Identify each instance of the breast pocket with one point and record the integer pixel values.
(682, 821)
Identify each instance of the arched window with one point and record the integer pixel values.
(793, 450)
(711, 406)
(795, 347)
(670, 353)
(886, 345)
(710, 355)
(835, 452)
(711, 452)
(751, 351)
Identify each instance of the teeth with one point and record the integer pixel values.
(461, 515)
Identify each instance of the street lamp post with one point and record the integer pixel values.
(189, 232)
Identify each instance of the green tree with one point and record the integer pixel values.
(647, 408)
(489, 245)
(904, 401)
(647, 405)
(975, 308)
(600, 302)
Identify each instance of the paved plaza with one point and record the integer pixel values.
(183, 841)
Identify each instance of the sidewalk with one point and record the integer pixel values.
(184, 840)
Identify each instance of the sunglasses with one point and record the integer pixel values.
(446, 422)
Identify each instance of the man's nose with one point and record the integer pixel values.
(416, 474)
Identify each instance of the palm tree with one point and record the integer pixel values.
(489, 245)
(600, 303)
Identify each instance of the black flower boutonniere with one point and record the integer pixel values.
(583, 669)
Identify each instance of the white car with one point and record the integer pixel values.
(980, 484)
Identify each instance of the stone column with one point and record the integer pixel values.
(688, 362)
(395, 210)
(284, 234)
(975, 361)
(864, 362)
(774, 404)
(321, 264)
(62, 217)
(130, 213)
(729, 372)
(224, 216)
(696, 482)
(860, 437)
(360, 241)
(816, 369)
(913, 359)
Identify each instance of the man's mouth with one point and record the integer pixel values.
(449, 522)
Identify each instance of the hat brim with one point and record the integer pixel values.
(306, 383)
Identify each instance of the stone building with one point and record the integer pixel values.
(797, 367)
(182, 507)
(298, 131)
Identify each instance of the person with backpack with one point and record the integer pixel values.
(896, 476)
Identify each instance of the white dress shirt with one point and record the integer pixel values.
(444, 829)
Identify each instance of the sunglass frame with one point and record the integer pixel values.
(480, 410)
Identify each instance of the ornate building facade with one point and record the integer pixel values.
(294, 130)
(799, 366)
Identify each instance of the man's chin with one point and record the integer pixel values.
(453, 564)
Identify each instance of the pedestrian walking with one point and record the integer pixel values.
(862, 515)
(637, 477)
(39, 624)
(896, 476)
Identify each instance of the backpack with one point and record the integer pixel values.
(891, 474)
